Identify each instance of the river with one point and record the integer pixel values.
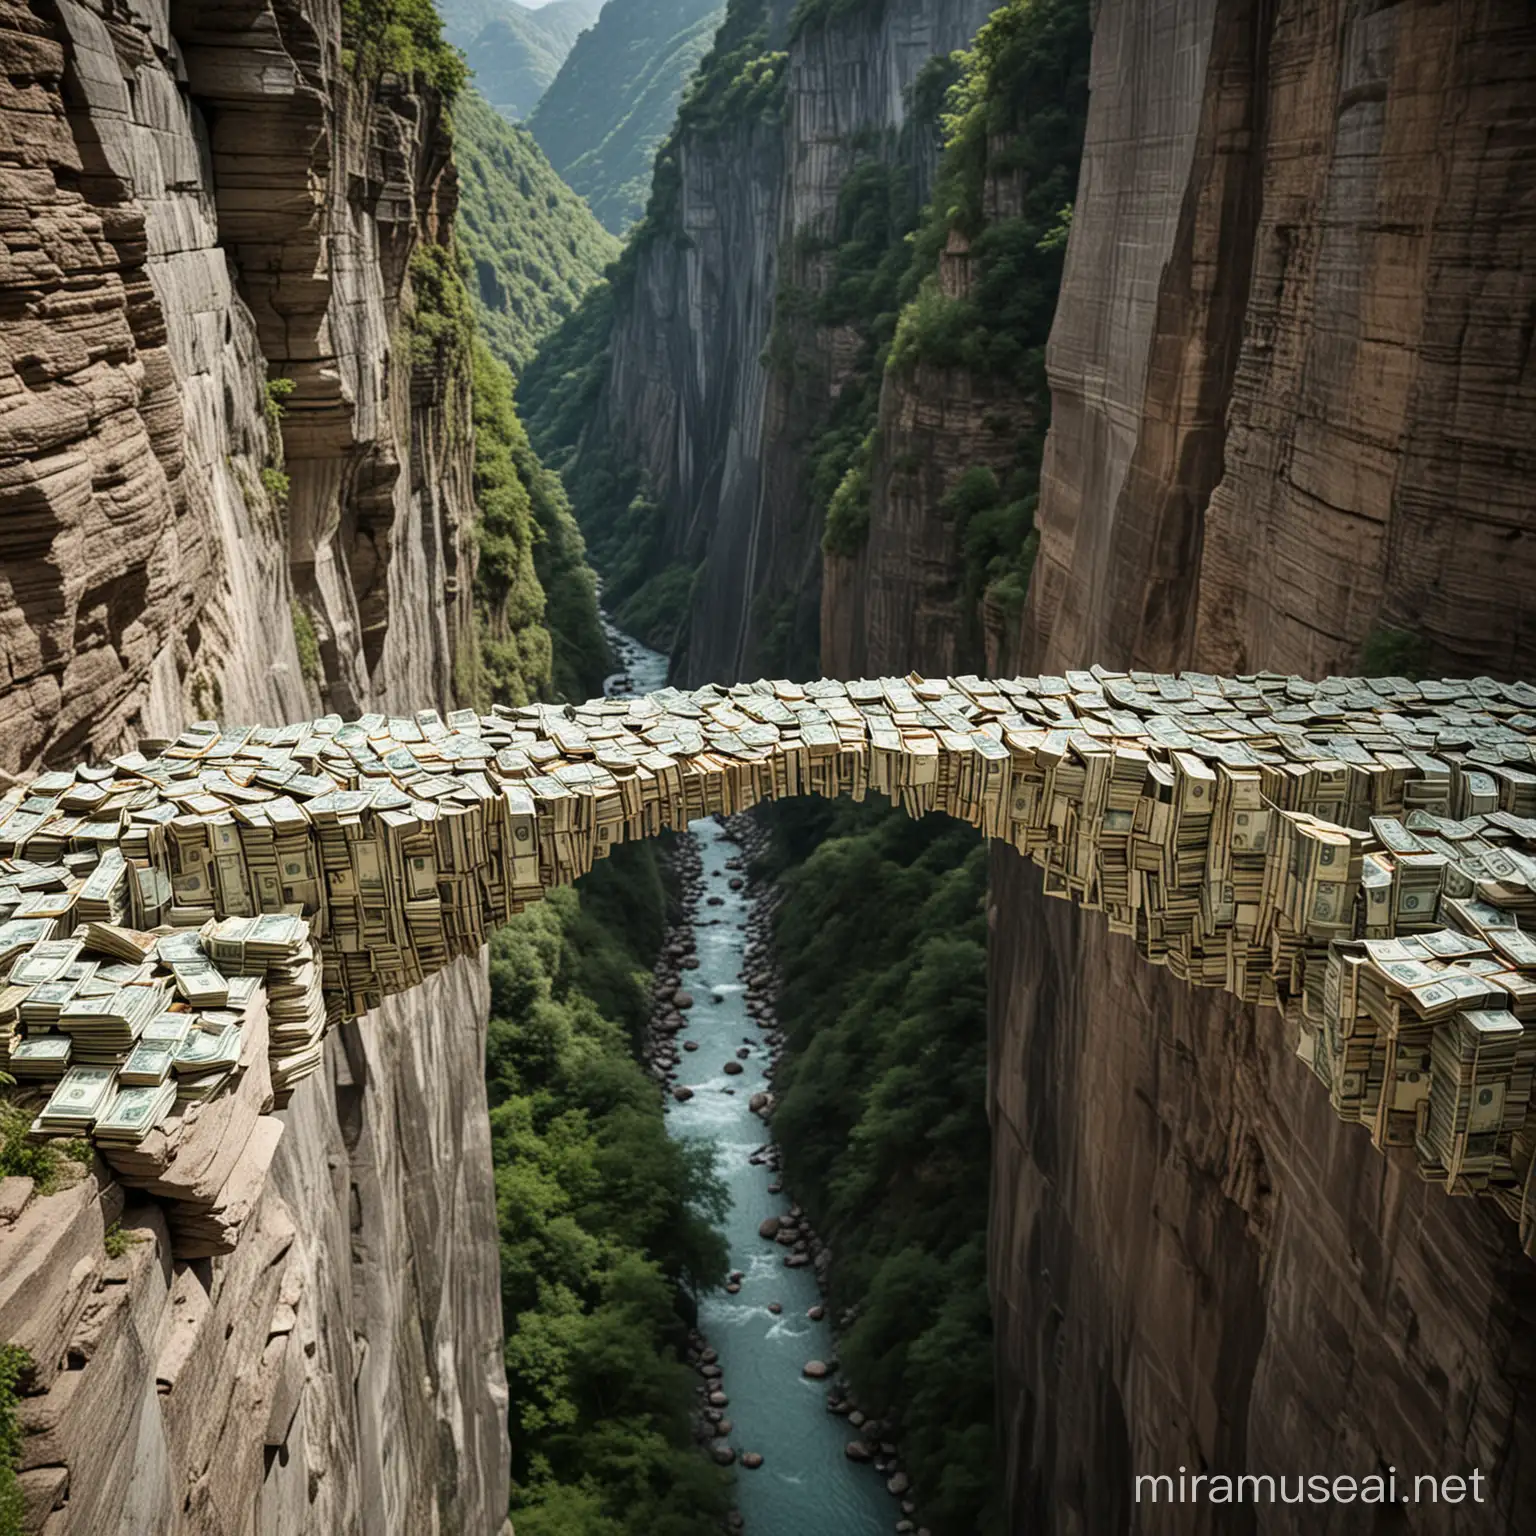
(806, 1486)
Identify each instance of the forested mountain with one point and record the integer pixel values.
(513, 50)
(532, 245)
(613, 101)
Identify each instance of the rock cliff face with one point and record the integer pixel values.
(1294, 401)
(197, 199)
(718, 430)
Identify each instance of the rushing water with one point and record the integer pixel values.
(806, 1486)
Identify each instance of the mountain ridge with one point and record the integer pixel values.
(613, 101)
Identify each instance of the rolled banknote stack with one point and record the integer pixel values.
(1262, 834)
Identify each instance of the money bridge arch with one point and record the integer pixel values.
(1358, 856)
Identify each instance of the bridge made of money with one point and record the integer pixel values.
(179, 925)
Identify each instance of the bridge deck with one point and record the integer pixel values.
(1359, 854)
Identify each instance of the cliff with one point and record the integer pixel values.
(197, 200)
(725, 348)
(1292, 422)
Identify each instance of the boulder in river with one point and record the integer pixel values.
(732, 1068)
(775, 1307)
(770, 1228)
(751, 1459)
(681, 1094)
(724, 1455)
(897, 1485)
(690, 1045)
(816, 1313)
(815, 1369)
(683, 999)
(856, 1450)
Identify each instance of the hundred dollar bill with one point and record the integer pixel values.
(42, 1048)
(45, 962)
(135, 1111)
(80, 1094)
(148, 1062)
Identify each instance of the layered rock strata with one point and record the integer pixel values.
(1293, 414)
(198, 200)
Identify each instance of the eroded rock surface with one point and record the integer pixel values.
(195, 199)
(1290, 404)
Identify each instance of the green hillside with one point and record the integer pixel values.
(514, 51)
(614, 99)
(531, 245)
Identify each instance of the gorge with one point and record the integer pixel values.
(1161, 336)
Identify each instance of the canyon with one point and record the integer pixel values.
(1292, 402)
(1291, 408)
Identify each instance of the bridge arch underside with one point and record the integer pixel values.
(181, 925)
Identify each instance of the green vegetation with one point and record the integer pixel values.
(645, 583)
(882, 1120)
(536, 594)
(1391, 652)
(646, 579)
(15, 1362)
(531, 247)
(440, 319)
(615, 97)
(305, 641)
(276, 484)
(402, 37)
(117, 1242)
(516, 51)
(606, 1222)
(1014, 116)
(275, 405)
(536, 597)
(737, 83)
(51, 1165)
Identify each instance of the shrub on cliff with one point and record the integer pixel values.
(402, 37)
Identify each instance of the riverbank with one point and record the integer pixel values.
(712, 1052)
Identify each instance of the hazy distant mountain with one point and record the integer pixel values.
(532, 245)
(515, 52)
(615, 97)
